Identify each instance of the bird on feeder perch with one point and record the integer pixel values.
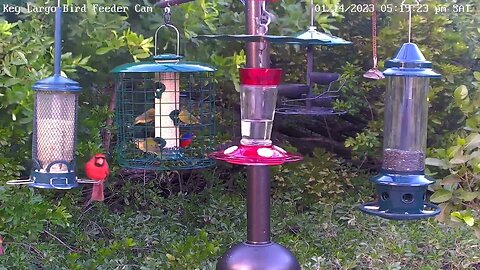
(97, 169)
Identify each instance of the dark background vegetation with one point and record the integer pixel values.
(185, 220)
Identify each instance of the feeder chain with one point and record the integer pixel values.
(263, 21)
(167, 15)
(374, 36)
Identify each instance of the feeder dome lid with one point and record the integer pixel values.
(409, 62)
(314, 37)
(57, 83)
(162, 64)
(309, 37)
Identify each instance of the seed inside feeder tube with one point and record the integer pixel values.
(402, 160)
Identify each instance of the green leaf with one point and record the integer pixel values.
(473, 141)
(476, 74)
(466, 196)
(441, 195)
(103, 50)
(436, 162)
(460, 93)
(469, 220)
(451, 179)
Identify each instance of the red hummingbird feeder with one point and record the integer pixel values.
(258, 98)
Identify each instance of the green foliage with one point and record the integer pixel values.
(24, 214)
(195, 249)
(322, 177)
(459, 191)
(364, 144)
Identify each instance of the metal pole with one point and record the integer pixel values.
(57, 54)
(252, 48)
(258, 177)
(310, 64)
(258, 205)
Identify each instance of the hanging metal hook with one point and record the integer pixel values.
(167, 15)
(417, 3)
(176, 31)
(264, 20)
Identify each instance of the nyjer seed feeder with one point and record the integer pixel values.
(402, 185)
(165, 112)
(258, 98)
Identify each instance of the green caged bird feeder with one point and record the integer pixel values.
(165, 111)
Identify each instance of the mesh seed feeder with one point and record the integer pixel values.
(402, 185)
(165, 112)
(54, 127)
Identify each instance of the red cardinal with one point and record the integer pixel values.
(97, 169)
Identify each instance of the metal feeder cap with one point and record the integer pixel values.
(410, 62)
(57, 83)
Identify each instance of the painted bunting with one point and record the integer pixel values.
(186, 140)
(97, 169)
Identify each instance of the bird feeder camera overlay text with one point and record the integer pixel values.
(22, 7)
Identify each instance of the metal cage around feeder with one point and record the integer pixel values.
(165, 113)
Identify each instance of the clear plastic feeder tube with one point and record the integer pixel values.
(258, 98)
(405, 127)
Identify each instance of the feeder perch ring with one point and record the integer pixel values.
(261, 155)
(87, 181)
(20, 182)
(372, 208)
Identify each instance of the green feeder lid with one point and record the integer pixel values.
(162, 64)
(57, 83)
(309, 37)
(314, 37)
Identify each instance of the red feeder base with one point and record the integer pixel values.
(260, 155)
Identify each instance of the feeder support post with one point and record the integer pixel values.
(58, 40)
(258, 177)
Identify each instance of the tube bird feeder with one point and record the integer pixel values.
(54, 126)
(402, 184)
